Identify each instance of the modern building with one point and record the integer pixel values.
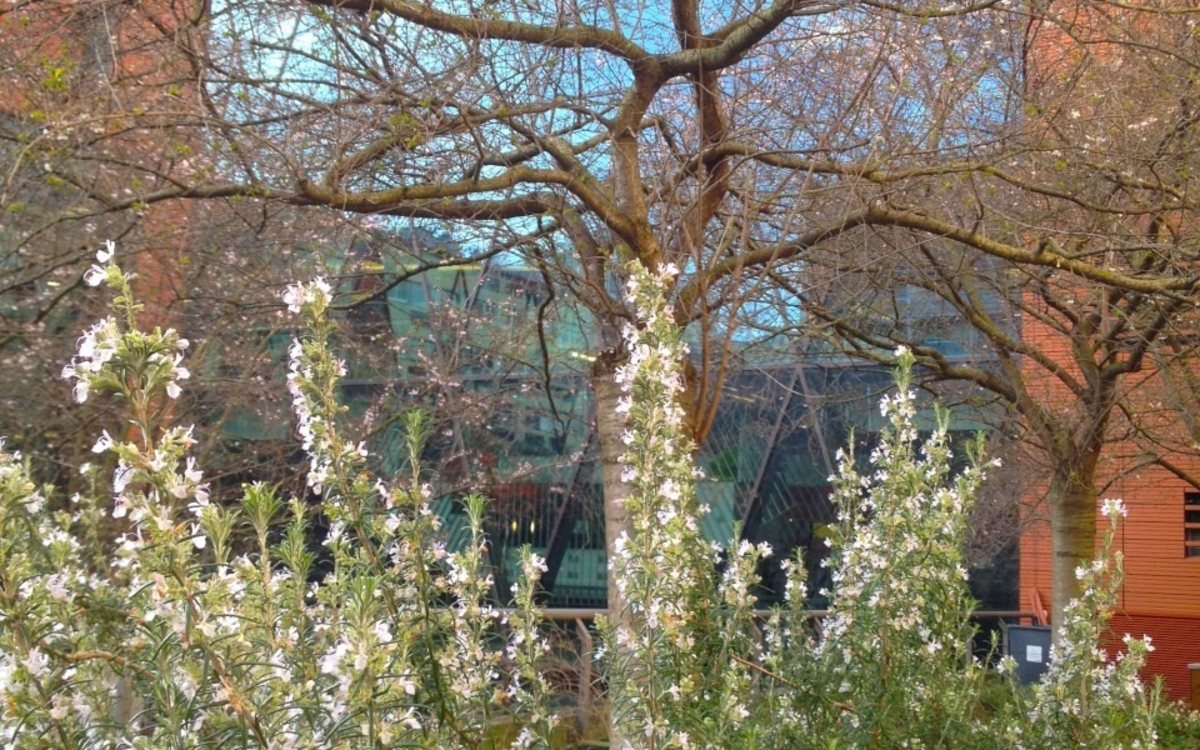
(503, 367)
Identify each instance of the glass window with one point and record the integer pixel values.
(1191, 524)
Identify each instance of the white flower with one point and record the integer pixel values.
(104, 443)
(1114, 507)
(293, 297)
(56, 587)
(320, 285)
(60, 707)
(36, 663)
(298, 295)
(94, 276)
(331, 663)
(383, 632)
(122, 475)
(106, 252)
(191, 473)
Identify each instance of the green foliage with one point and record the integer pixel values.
(1178, 728)
(57, 74)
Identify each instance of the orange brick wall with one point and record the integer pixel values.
(1076, 62)
(1159, 580)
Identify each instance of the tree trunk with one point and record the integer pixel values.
(1072, 529)
(610, 425)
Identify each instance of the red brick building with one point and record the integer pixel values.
(108, 83)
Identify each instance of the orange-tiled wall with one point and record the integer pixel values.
(1161, 592)
(1159, 580)
(1176, 642)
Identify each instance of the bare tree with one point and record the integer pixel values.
(748, 144)
(1072, 269)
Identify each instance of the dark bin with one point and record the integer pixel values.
(1029, 645)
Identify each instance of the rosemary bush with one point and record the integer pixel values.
(143, 615)
(691, 666)
(160, 637)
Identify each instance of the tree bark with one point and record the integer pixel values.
(609, 427)
(1072, 501)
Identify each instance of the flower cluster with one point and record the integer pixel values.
(112, 347)
(312, 379)
(97, 346)
(314, 296)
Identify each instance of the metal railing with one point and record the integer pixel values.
(586, 614)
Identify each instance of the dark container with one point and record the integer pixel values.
(1029, 645)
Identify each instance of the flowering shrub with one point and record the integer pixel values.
(205, 626)
(894, 656)
(145, 615)
(1087, 699)
(675, 675)
(691, 665)
(690, 668)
